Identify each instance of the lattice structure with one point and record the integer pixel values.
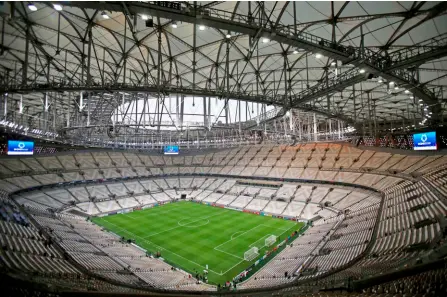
(220, 79)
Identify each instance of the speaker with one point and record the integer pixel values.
(150, 23)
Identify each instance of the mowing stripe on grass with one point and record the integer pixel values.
(179, 225)
(158, 247)
(176, 230)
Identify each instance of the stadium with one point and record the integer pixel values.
(220, 148)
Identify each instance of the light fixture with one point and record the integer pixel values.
(391, 83)
(333, 63)
(380, 80)
(265, 40)
(105, 15)
(174, 25)
(421, 104)
(295, 51)
(228, 35)
(396, 87)
(411, 97)
(144, 17)
(32, 7)
(202, 27)
(57, 7)
(318, 56)
(362, 70)
(407, 91)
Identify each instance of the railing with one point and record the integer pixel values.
(330, 83)
(418, 49)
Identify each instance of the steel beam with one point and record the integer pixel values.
(247, 25)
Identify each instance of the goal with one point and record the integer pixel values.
(270, 240)
(251, 254)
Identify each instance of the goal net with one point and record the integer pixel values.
(251, 254)
(270, 240)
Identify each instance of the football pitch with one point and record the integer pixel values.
(191, 235)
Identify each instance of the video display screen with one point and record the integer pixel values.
(20, 148)
(424, 141)
(171, 150)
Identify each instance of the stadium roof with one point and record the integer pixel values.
(96, 64)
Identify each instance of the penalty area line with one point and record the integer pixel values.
(162, 248)
(227, 253)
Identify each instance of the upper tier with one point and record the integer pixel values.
(312, 161)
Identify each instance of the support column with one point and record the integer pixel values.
(291, 122)
(339, 129)
(375, 119)
(369, 114)
(330, 129)
(209, 113)
(315, 128)
(5, 99)
(68, 110)
(309, 123)
(81, 101)
(205, 117)
(182, 109)
(45, 112)
(240, 117)
(89, 56)
(88, 108)
(177, 110)
(54, 112)
(21, 104)
(25, 63)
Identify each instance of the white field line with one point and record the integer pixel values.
(127, 215)
(250, 245)
(232, 267)
(151, 213)
(194, 226)
(235, 233)
(137, 215)
(230, 254)
(284, 231)
(162, 248)
(216, 248)
(130, 233)
(199, 219)
(233, 238)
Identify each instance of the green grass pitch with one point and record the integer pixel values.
(191, 235)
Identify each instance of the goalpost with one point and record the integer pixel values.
(270, 240)
(251, 254)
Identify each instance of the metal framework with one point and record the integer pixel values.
(145, 73)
